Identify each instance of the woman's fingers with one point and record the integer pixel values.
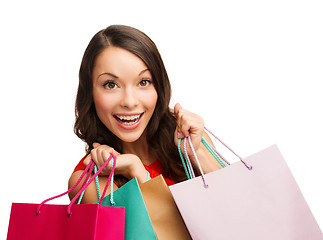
(188, 123)
(185, 123)
(179, 119)
(177, 107)
(95, 145)
(100, 154)
(87, 160)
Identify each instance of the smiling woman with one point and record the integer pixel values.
(122, 108)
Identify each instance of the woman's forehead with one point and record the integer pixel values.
(119, 62)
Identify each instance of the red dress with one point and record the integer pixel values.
(154, 170)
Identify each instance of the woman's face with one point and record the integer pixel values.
(123, 93)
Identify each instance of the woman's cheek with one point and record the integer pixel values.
(104, 106)
(151, 98)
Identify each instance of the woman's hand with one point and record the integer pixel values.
(100, 154)
(188, 124)
(127, 165)
(192, 124)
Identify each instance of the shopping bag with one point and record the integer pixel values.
(67, 222)
(137, 221)
(255, 198)
(164, 215)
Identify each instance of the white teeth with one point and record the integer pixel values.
(128, 123)
(129, 118)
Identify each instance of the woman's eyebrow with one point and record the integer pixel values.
(114, 76)
(107, 73)
(147, 69)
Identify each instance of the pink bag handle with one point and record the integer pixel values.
(91, 180)
(249, 167)
(87, 170)
(196, 158)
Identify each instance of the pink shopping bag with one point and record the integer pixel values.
(67, 222)
(256, 198)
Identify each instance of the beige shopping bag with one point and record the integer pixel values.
(165, 217)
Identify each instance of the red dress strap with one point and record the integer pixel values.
(80, 165)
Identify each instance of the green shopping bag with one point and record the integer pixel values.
(137, 221)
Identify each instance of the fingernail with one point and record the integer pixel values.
(180, 135)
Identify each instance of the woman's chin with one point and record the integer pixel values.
(130, 137)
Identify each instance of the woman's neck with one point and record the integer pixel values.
(139, 148)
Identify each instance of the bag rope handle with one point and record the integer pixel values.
(85, 182)
(185, 163)
(112, 181)
(91, 180)
(249, 167)
(90, 166)
(189, 164)
(88, 170)
(188, 168)
(188, 161)
(214, 153)
(98, 186)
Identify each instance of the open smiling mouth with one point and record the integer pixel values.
(129, 119)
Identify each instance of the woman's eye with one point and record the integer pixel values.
(144, 83)
(110, 85)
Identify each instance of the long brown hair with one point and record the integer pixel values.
(161, 127)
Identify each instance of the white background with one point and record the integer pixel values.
(252, 69)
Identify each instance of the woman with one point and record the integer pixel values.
(122, 108)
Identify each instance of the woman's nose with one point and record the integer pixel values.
(129, 98)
